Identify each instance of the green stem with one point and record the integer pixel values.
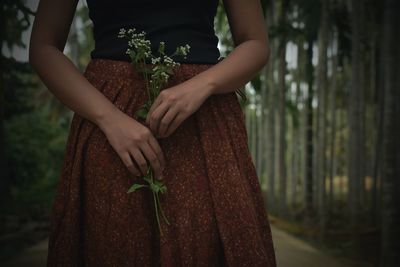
(158, 219)
(173, 54)
(162, 212)
(153, 89)
(155, 206)
(146, 77)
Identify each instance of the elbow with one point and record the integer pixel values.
(35, 53)
(40, 51)
(264, 51)
(264, 54)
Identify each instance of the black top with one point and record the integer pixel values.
(176, 22)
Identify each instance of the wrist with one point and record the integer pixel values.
(209, 87)
(105, 116)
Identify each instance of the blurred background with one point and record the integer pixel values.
(323, 129)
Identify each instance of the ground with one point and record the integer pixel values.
(290, 252)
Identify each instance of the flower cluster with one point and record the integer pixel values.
(183, 50)
(139, 49)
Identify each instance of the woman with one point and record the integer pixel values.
(194, 139)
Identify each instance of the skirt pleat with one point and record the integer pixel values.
(213, 201)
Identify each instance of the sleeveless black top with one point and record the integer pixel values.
(176, 22)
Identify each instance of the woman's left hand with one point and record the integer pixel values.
(172, 106)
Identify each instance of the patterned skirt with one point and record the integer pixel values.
(213, 202)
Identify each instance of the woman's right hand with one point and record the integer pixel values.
(130, 138)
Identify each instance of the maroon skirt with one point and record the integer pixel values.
(213, 201)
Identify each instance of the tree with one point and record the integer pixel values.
(12, 26)
(322, 86)
(390, 230)
(356, 118)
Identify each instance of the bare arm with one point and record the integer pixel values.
(127, 136)
(251, 53)
(49, 35)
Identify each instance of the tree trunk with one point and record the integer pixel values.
(282, 112)
(261, 137)
(271, 130)
(390, 231)
(378, 124)
(356, 119)
(308, 179)
(332, 162)
(356, 125)
(322, 86)
(3, 164)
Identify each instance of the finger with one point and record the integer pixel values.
(140, 160)
(126, 159)
(157, 149)
(153, 106)
(174, 124)
(166, 120)
(157, 115)
(152, 158)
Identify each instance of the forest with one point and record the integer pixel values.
(322, 116)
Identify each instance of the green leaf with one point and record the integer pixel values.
(136, 186)
(163, 189)
(158, 186)
(147, 179)
(154, 188)
(141, 113)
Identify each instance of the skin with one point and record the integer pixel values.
(173, 105)
(134, 142)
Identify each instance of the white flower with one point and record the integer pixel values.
(183, 50)
(155, 60)
(167, 59)
(121, 32)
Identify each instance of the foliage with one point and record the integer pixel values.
(19, 86)
(14, 19)
(35, 148)
(32, 145)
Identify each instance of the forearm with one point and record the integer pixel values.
(237, 69)
(68, 84)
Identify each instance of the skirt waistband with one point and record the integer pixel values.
(117, 69)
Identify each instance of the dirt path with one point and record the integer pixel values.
(290, 252)
(293, 252)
